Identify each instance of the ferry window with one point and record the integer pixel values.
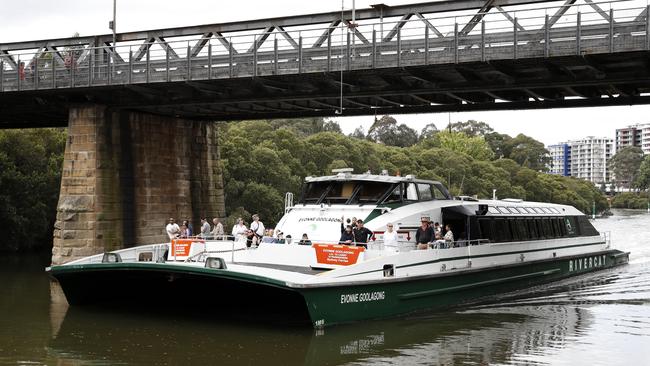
(540, 228)
(371, 192)
(586, 228)
(538, 210)
(502, 230)
(556, 228)
(503, 210)
(340, 192)
(569, 223)
(561, 226)
(521, 210)
(314, 191)
(411, 192)
(546, 210)
(424, 190)
(493, 210)
(439, 193)
(523, 229)
(547, 227)
(514, 231)
(395, 195)
(554, 210)
(513, 210)
(529, 210)
(486, 228)
(532, 229)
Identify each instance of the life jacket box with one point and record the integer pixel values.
(336, 255)
(181, 249)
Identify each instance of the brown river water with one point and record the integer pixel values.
(601, 318)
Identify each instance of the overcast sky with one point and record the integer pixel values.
(43, 19)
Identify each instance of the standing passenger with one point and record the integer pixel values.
(424, 235)
(205, 228)
(257, 227)
(217, 230)
(390, 238)
(172, 229)
(239, 229)
(362, 234)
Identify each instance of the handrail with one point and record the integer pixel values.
(267, 54)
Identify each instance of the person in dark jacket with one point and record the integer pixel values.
(347, 236)
(424, 235)
(362, 234)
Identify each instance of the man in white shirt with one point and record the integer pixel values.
(257, 226)
(172, 229)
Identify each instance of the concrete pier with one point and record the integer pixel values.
(125, 173)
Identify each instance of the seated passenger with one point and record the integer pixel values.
(289, 239)
(280, 238)
(449, 236)
(267, 239)
(305, 240)
(184, 232)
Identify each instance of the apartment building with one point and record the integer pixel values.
(634, 135)
(560, 159)
(586, 158)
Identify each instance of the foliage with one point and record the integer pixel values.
(643, 176)
(631, 200)
(386, 130)
(30, 175)
(262, 162)
(471, 128)
(625, 165)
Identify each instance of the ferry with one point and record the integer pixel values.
(496, 246)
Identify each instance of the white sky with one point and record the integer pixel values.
(43, 19)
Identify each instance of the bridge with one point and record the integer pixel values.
(140, 110)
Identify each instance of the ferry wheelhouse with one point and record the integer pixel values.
(499, 245)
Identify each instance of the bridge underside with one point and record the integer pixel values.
(569, 81)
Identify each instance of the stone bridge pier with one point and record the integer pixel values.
(125, 173)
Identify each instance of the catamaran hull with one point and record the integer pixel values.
(137, 284)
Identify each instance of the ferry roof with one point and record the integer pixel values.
(369, 177)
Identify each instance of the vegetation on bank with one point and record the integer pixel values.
(30, 175)
(264, 159)
(635, 200)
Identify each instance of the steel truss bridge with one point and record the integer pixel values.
(460, 55)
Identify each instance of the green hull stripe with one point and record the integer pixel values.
(160, 267)
(414, 295)
(475, 256)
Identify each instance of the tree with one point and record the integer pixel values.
(643, 177)
(358, 133)
(459, 142)
(625, 165)
(385, 130)
(528, 152)
(471, 128)
(428, 131)
(499, 143)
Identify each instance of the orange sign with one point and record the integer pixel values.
(341, 255)
(181, 247)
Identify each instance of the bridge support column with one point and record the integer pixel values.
(125, 173)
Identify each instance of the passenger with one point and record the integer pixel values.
(437, 228)
(305, 240)
(189, 227)
(289, 239)
(172, 229)
(440, 242)
(184, 231)
(347, 236)
(257, 227)
(250, 238)
(267, 239)
(280, 238)
(449, 236)
(217, 230)
(239, 230)
(353, 223)
(390, 238)
(362, 234)
(21, 70)
(424, 235)
(205, 228)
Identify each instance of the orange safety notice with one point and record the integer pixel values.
(182, 247)
(342, 255)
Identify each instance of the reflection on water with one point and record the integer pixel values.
(597, 319)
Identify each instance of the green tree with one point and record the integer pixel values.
(386, 130)
(459, 142)
(625, 165)
(471, 128)
(358, 133)
(30, 175)
(643, 177)
(428, 131)
(528, 152)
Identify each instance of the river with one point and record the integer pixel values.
(598, 319)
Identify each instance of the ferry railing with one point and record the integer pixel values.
(417, 41)
(606, 236)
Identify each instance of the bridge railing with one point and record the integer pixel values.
(531, 33)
